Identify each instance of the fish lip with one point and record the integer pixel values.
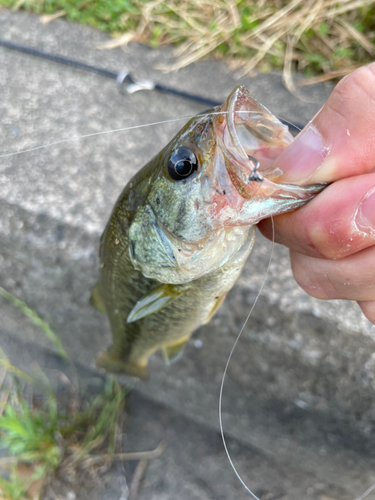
(231, 105)
(307, 188)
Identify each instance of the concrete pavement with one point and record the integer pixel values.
(300, 388)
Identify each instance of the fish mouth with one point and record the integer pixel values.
(250, 138)
(253, 132)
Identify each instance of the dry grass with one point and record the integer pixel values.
(324, 38)
(329, 37)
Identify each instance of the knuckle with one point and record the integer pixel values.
(319, 238)
(307, 277)
(328, 233)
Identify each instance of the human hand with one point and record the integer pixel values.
(332, 238)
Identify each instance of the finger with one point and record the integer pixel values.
(368, 309)
(351, 278)
(340, 140)
(339, 222)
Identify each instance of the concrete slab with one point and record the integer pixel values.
(194, 463)
(297, 354)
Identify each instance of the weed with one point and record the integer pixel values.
(36, 319)
(41, 434)
(45, 436)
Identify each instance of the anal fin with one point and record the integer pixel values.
(96, 301)
(113, 364)
(173, 352)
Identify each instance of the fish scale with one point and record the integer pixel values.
(122, 286)
(183, 227)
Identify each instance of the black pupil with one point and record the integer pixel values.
(182, 164)
(183, 168)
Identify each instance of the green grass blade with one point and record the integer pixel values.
(36, 319)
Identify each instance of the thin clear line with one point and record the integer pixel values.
(366, 493)
(134, 127)
(227, 365)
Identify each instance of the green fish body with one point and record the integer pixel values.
(183, 227)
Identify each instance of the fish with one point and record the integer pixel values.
(183, 227)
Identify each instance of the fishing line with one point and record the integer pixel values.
(287, 122)
(125, 81)
(104, 132)
(366, 493)
(227, 365)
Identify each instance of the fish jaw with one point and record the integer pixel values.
(246, 204)
(271, 199)
(240, 187)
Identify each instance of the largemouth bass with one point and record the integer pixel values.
(183, 227)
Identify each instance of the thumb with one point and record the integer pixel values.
(339, 142)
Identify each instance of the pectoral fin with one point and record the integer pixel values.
(173, 352)
(155, 300)
(96, 301)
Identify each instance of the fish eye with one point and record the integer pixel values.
(182, 164)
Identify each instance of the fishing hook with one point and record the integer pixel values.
(255, 175)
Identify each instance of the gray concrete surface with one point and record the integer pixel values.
(300, 388)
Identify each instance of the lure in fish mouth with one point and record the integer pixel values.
(210, 185)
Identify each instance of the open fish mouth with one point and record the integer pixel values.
(249, 139)
(253, 132)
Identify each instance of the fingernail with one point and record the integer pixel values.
(304, 156)
(365, 218)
